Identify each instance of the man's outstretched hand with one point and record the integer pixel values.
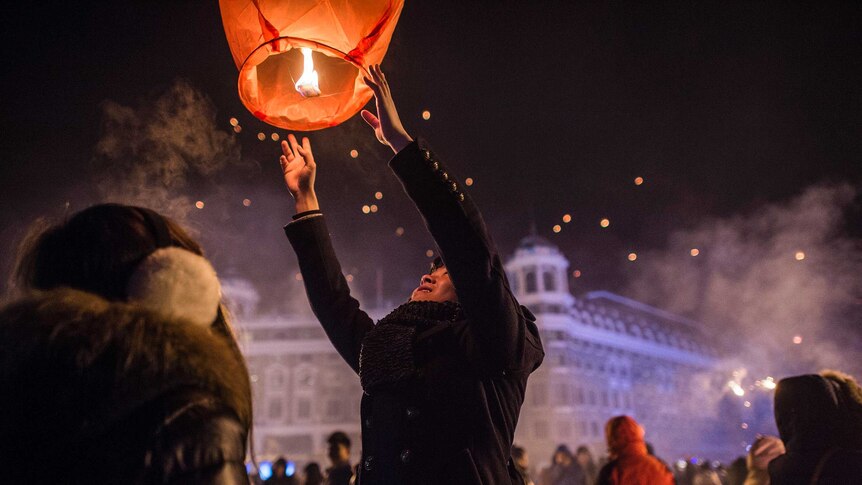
(387, 125)
(299, 169)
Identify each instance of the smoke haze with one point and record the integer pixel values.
(762, 279)
(146, 156)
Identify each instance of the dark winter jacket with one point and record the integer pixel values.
(99, 392)
(631, 464)
(821, 433)
(453, 422)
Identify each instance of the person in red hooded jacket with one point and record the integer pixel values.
(630, 463)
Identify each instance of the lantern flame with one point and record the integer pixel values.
(307, 84)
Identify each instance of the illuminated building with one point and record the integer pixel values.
(605, 355)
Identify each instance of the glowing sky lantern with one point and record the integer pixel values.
(301, 62)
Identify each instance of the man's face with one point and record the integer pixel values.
(436, 286)
(338, 453)
(561, 458)
(583, 458)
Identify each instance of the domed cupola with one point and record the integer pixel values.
(537, 275)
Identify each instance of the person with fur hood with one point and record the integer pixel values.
(443, 375)
(630, 463)
(118, 364)
(819, 419)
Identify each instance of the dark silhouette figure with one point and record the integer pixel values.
(819, 418)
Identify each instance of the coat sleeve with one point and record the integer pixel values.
(343, 321)
(200, 441)
(504, 331)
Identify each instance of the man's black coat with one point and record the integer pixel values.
(455, 422)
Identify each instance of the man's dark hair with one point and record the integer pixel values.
(583, 449)
(339, 437)
(436, 264)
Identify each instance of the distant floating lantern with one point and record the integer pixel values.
(557, 228)
(301, 62)
(426, 115)
(354, 153)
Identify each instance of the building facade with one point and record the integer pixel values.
(605, 355)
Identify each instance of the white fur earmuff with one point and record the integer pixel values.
(178, 283)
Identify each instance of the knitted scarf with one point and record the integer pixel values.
(387, 356)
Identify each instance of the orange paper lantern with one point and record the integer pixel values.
(274, 41)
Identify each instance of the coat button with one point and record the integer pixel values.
(453, 187)
(435, 166)
(369, 462)
(427, 154)
(460, 197)
(367, 422)
(406, 456)
(444, 176)
(412, 412)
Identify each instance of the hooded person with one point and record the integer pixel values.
(819, 419)
(630, 463)
(119, 364)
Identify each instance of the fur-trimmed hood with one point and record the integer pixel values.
(72, 364)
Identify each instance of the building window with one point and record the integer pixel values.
(564, 429)
(276, 378)
(539, 394)
(605, 402)
(334, 409)
(592, 398)
(303, 409)
(530, 281)
(540, 429)
(548, 281)
(580, 396)
(616, 397)
(275, 409)
(561, 395)
(594, 428)
(513, 284)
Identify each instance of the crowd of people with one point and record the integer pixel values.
(119, 363)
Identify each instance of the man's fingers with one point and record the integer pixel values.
(285, 148)
(371, 84)
(294, 145)
(306, 145)
(369, 118)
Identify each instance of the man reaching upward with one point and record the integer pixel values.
(444, 374)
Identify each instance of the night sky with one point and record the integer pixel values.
(551, 107)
